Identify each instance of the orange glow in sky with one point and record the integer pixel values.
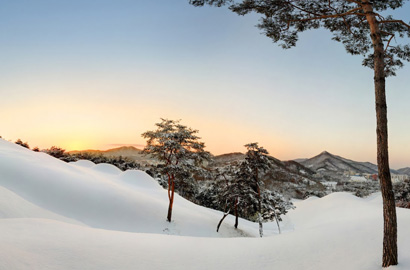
(74, 79)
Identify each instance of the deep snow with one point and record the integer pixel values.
(55, 215)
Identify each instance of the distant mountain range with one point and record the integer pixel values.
(332, 165)
(123, 150)
(325, 163)
(130, 152)
(404, 171)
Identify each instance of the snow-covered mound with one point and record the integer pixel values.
(55, 215)
(101, 196)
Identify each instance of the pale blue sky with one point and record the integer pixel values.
(85, 73)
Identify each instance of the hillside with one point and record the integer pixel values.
(336, 167)
(55, 215)
(290, 178)
(405, 171)
(130, 152)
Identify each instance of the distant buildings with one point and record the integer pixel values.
(366, 177)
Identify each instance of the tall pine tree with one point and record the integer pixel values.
(364, 30)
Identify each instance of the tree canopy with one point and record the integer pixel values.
(283, 20)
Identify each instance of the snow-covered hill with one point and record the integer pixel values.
(334, 167)
(405, 171)
(55, 215)
(129, 152)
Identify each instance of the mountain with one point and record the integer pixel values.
(130, 152)
(405, 171)
(123, 150)
(288, 177)
(333, 166)
(228, 159)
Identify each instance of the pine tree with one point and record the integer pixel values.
(234, 192)
(241, 190)
(179, 151)
(256, 163)
(363, 30)
(21, 143)
(56, 152)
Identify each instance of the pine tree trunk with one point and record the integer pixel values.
(236, 213)
(260, 225)
(389, 208)
(171, 189)
(220, 222)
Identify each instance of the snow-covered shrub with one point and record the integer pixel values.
(402, 193)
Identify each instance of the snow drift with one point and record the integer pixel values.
(55, 215)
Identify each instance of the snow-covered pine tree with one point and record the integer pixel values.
(178, 149)
(241, 190)
(233, 193)
(273, 206)
(256, 162)
(402, 193)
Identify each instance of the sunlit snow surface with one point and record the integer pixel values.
(56, 215)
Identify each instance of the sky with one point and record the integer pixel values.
(86, 74)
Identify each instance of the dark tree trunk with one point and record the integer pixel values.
(389, 208)
(236, 213)
(259, 206)
(171, 189)
(220, 222)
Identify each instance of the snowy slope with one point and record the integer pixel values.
(100, 196)
(55, 215)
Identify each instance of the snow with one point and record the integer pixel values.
(56, 215)
(358, 178)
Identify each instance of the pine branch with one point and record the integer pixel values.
(302, 9)
(339, 15)
(388, 43)
(396, 21)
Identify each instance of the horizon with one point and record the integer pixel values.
(140, 147)
(79, 74)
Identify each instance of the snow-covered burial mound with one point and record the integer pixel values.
(55, 215)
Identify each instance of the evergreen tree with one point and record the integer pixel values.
(364, 30)
(233, 192)
(242, 191)
(21, 143)
(402, 193)
(178, 149)
(56, 152)
(256, 162)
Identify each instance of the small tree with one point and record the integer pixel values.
(21, 143)
(402, 193)
(178, 149)
(56, 152)
(233, 192)
(256, 162)
(242, 191)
